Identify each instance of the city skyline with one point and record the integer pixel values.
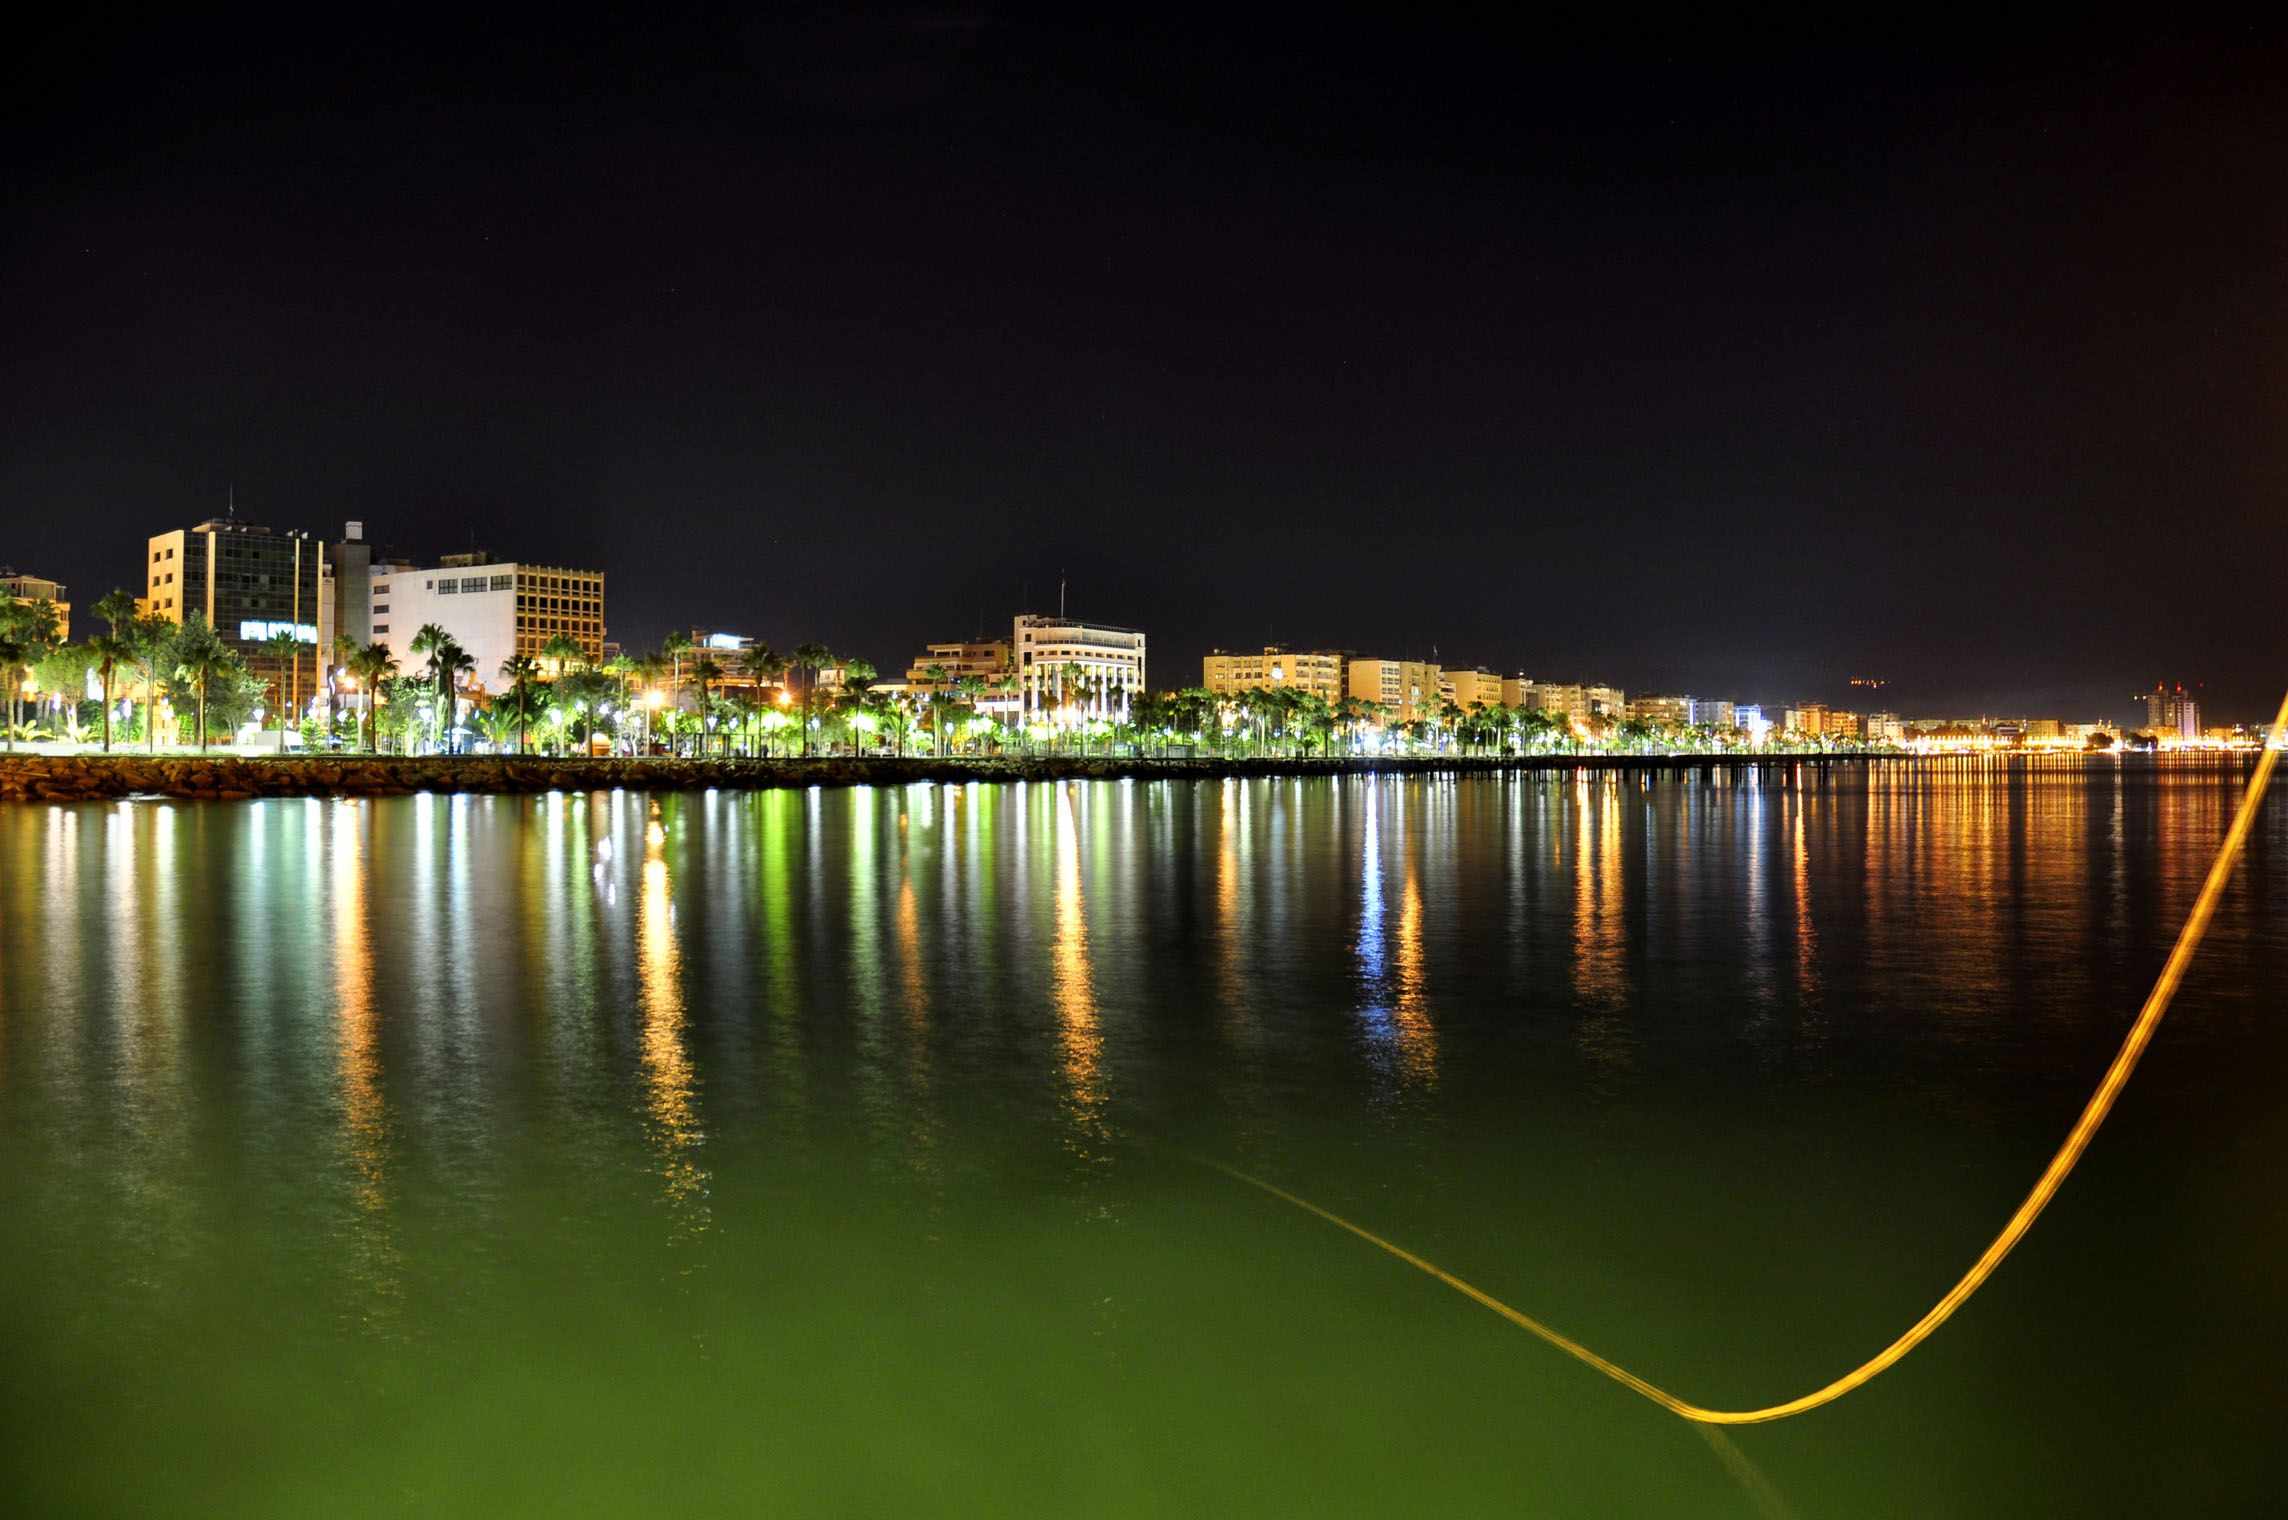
(353, 617)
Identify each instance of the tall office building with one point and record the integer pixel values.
(250, 584)
(350, 561)
(1069, 667)
(2172, 712)
(38, 588)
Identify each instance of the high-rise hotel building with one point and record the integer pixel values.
(493, 609)
(250, 584)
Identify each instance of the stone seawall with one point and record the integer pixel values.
(73, 778)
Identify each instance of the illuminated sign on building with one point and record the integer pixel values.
(254, 631)
(725, 641)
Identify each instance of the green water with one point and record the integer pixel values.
(833, 1152)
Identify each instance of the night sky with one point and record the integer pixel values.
(1739, 362)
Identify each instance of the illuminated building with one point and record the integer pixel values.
(2173, 713)
(1714, 712)
(1670, 712)
(34, 588)
(992, 661)
(1068, 667)
(1229, 672)
(1408, 688)
(729, 653)
(1606, 701)
(250, 584)
(493, 609)
(350, 563)
(1478, 687)
(1885, 728)
(989, 660)
(1517, 691)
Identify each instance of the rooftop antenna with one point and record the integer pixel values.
(1060, 596)
(230, 500)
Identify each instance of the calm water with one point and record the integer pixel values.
(831, 1152)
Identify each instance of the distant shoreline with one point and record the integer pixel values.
(69, 778)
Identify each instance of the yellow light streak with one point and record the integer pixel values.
(2045, 1188)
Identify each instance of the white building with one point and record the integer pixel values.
(492, 610)
(1713, 712)
(1046, 649)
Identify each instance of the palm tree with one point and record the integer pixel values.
(371, 665)
(27, 633)
(857, 675)
(110, 651)
(675, 646)
(430, 642)
(521, 672)
(119, 611)
(199, 659)
(287, 651)
(765, 665)
(459, 665)
(565, 651)
(810, 659)
(706, 673)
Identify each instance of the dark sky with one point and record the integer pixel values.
(1737, 362)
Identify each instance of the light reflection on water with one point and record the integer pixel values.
(412, 1094)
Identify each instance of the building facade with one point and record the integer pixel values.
(1578, 700)
(1409, 689)
(1477, 687)
(493, 609)
(1229, 672)
(1667, 711)
(1068, 670)
(250, 584)
(989, 660)
(1713, 712)
(2172, 712)
(350, 563)
(38, 588)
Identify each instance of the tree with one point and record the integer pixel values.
(586, 693)
(564, 652)
(857, 676)
(447, 661)
(287, 651)
(109, 652)
(27, 633)
(675, 646)
(459, 666)
(372, 666)
(706, 673)
(199, 660)
(810, 659)
(522, 672)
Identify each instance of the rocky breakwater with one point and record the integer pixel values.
(225, 778)
(95, 778)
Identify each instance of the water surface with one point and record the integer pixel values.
(834, 1151)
